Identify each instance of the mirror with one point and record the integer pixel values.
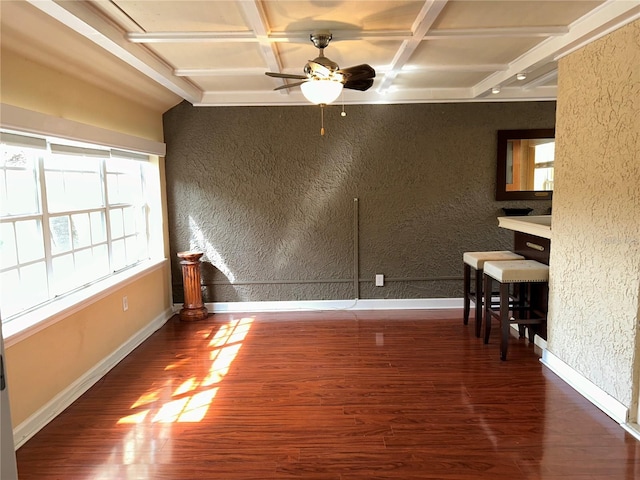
(525, 164)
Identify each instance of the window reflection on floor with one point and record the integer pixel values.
(190, 400)
(163, 406)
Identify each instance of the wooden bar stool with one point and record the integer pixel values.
(475, 261)
(521, 274)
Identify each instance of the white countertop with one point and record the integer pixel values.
(538, 225)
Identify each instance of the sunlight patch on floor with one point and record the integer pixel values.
(190, 401)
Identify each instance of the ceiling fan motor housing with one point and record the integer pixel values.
(322, 60)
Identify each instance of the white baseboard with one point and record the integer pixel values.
(327, 305)
(56, 405)
(601, 399)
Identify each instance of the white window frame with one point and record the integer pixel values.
(24, 121)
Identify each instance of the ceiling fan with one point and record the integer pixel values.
(324, 80)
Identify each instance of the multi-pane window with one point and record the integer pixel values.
(70, 215)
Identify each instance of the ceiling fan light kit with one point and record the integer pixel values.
(321, 91)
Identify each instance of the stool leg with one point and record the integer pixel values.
(521, 329)
(532, 330)
(479, 275)
(467, 292)
(519, 301)
(504, 320)
(488, 286)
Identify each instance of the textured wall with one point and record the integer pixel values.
(271, 202)
(595, 259)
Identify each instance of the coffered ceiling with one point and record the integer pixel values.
(214, 53)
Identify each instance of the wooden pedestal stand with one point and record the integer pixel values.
(193, 308)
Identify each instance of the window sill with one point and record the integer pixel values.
(23, 326)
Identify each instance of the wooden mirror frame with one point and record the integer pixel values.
(501, 173)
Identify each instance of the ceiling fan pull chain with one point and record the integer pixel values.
(322, 119)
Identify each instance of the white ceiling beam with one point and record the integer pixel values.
(512, 94)
(84, 20)
(342, 35)
(257, 71)
(607, 17)
(470, 68)
(541, 80)
(598, 23)
(190, 37)
(497, 32)
(218, 72)
(243, 98)
(405, 96)
(272, 37)
(258, 23)
(252, 98)
(428, 14)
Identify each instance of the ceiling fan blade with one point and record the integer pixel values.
(361, 85)
(285, 75)
(358, 72)
(289, 85)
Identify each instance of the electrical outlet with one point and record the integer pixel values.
(125, 303)
(379, 280)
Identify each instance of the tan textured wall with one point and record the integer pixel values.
(46, 363)
(595, 255)
(270, 201)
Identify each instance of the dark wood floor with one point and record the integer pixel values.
(333, 396)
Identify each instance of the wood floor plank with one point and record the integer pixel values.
(332, 396)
